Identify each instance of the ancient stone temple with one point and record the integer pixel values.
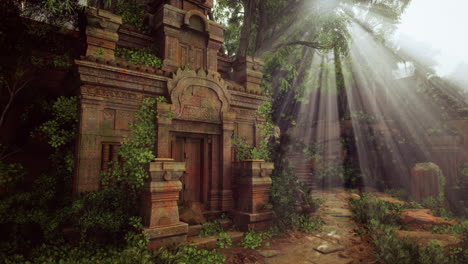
(210, 97)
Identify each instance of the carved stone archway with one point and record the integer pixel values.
(205, 93)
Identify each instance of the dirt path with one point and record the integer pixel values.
(337, 244)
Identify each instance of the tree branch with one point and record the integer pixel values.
(310, 44)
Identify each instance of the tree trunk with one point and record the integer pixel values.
(249, 11)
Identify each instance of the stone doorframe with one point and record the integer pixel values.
(201, 104)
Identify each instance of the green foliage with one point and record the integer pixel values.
(201, 256)
(437, 205)
(211, 229)
(10, 173)
(253, 240)
(391, 249)
(230, 15)
(460, 228)
(382, 218)
(223, 240)
(369, 208)
(161, 99)
(62, 128)
(308, 224)
(136, 149)
(400, 194)
(284, 191)
(243, 150)
(139, 56)
(133, 13)
(103, 216)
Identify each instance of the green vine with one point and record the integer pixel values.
(136, 149)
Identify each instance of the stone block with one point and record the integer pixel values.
(101, 33)
(248, 72)
(253, 187)
(426, 181)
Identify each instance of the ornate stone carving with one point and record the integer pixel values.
(108, 92)
(199, 96)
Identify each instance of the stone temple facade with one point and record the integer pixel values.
(210, 98)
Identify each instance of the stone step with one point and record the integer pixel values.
(209, 242)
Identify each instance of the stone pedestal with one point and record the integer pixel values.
(248, 72)
(101, 33)
(160, 209)
(426, 181)
(253, 187)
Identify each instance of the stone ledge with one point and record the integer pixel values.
(167, 231)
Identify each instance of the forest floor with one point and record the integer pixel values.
(338, 243)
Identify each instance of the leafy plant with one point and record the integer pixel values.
(211, 229)
(253, 240)
(62, 128)
(242, 149)
(223, 240)
(11, 173)
(370, 208)
(308, 224)
(133, 13)
(192, 255)
(136, 149)
(460, 228)
(139, 56)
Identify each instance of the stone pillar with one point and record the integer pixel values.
(170, 50)
(101, 33)
(214, 194)
(226, 161)
(164, 135)
(248, 72)
(212, 55)
(159, 199)
(445, 150)
(88, 152)
(426, 181)
(253, 187)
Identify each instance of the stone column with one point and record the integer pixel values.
(101, 33)
(88, 159)
(253, 186)
(164, 135)
(159, 199)
(226, 160)
(212, 55)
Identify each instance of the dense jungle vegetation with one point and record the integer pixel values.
(41, 222)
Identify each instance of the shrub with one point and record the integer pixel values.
(370, 208)
(308, 224)
(10, 173)
(139, 56)
(132, 13)
(211, 229)
(192, 255)
(223, 240)
(253, 240)
(460, 228)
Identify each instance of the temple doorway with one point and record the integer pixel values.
(190, 149)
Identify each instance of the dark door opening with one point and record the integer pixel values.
(190, 151)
